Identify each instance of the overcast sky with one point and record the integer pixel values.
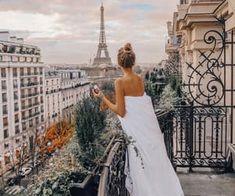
(67, 31)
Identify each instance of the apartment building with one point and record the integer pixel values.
(53, 102)
(22, 96)
(74, 85)
(64, 88)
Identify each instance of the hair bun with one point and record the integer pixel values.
(128, 48)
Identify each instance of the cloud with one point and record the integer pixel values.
(67, 30)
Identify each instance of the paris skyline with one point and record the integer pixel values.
(68, 31)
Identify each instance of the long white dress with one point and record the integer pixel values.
(148, 168)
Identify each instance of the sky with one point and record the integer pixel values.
(67, 31)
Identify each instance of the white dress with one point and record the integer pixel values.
(149, 172)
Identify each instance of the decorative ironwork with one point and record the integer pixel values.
(203, 129)
(206, 85)
(112, 180)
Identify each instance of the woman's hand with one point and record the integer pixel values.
(97, 92)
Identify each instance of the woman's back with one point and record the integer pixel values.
(132, 85)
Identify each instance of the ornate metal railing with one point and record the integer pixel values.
(112, 180)
(203, 129)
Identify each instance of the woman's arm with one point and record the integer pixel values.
(119, 106)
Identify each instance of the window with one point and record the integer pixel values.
(14, 72)
(5, 133)
(21, 71)
(15, 95)
(37, 120)
(4, 108)
(28, 71)
(24, 126)
(15, 84)
(3, 72)
(6, 145)
(31, 123)
(16, 118)
(16, 107)
(4, 85)
(42, 118)
(4, 97)
(17, 129)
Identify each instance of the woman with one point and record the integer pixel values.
(148, 169)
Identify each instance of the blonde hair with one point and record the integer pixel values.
(126, 56)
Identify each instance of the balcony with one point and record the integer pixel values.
(16, 48)
(30, 106)
(27, 85)
(29, 74)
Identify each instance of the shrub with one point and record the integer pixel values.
(90, 122)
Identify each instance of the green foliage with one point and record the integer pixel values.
(172, 93)
(60, 185)
(107, 87)
(154, 84)
(165, 90)
(90, 122)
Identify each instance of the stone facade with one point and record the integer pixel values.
(22, 97)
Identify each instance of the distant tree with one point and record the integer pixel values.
(147, 76)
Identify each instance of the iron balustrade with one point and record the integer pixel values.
(202, 130)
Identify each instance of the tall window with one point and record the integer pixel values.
(16, 118)
(15, 84)
(15, 95)
(5, 133)
(5, 121)
(17, 129)
(16, 106)
(4, 85)
(21, 71)
(4, 108)
(14, 72)
(3, 72)
(28, 71)
(4, 97)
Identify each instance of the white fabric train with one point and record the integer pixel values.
(149, 172)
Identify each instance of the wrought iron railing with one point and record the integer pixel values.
(112, 180)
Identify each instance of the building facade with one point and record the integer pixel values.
(53, 102)
(22, 96)
(64, 88)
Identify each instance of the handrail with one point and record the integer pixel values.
(105, 172)
(113, 170)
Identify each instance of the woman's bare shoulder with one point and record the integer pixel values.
(140, 77)
(118, 81)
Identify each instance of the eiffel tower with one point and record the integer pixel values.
(102, 47)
